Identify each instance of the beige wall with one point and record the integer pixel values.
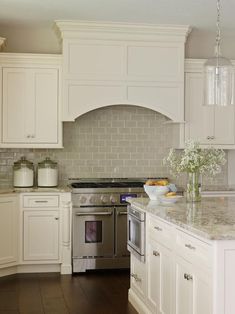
(38, 39)
(115, 141)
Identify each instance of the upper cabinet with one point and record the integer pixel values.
(112, 63)
(208, 125)
(30, 96)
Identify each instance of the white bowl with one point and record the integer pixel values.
(154, 191)
(170, 200)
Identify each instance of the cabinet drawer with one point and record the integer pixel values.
(138, 277)
(193, 249)
(40, 201)
(161, 232)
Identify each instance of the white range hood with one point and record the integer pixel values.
(111, 63)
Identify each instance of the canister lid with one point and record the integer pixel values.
(47, 163)
(23, 162)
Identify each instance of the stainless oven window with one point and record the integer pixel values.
(135, 232)
(93, 231)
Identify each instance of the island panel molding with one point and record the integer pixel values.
(104, 62)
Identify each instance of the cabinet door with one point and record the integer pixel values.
(193, 289)
(206, 124)
(160, 278)
(184, 287)
(30, 105)
(199, 118)
(8, 230)
(41, 235)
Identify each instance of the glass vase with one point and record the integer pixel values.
(193, 191)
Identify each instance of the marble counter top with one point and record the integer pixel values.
(213, 218)
(11, 190)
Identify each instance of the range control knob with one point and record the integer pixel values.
(92, 199)
(82, 199)
(113, 199)
(104, 199)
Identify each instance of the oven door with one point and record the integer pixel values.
(136, 236)
(121, 232)
(93, 230)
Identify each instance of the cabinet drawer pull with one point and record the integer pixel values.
(56, 218)
(158, 228)
(135, 277)
(41, 201)
(188, 277)
(189, 246)
(155, 253)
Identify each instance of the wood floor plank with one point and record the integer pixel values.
(91, 293)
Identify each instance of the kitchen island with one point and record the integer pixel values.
(189, 258)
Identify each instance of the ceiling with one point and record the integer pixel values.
(198, 13)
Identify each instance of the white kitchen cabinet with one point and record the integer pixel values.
(159, 278)
(193, 289)
(207, 125)
(41, 235)
(138, 277)
(9, 219)
(30, 114)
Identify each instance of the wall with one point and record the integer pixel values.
(43, 39)
(115, 141)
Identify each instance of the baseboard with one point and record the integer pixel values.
(8, 271)
(137, 303)
(66, 269)
(53, 268)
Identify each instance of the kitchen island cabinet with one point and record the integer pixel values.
(190, 254)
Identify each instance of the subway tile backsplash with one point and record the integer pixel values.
(116, 141)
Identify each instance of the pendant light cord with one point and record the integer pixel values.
(218, 35)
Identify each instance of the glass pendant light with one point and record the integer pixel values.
(218, 74)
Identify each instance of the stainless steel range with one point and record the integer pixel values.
(100, 222)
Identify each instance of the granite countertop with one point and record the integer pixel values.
(12, 190)
(213, 218)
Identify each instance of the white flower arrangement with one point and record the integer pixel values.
(195, 159)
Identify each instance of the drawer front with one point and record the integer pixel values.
(193, 249)
(161, 232)
(138, 277)
(40, 201)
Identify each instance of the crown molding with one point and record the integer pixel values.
(29, 58)
(196, 65)
(111, 30)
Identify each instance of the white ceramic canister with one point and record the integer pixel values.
(23, 173)
(47, 173)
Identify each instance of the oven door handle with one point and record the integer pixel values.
(122, 213)
(95, 214)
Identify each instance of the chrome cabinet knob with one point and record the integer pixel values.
(188, 277)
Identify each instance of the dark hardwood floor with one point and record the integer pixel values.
(91, 293)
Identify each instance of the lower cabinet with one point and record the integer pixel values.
(159, 278)
(9, 218)
(172, 281)
(193, 289)
(40, 235)
(138, 277)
